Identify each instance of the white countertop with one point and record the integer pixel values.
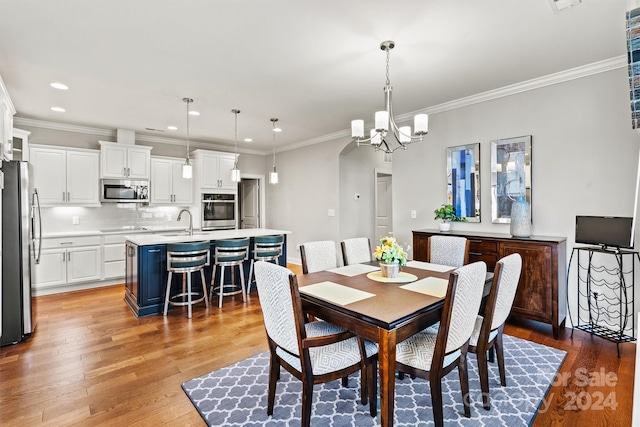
(122, 230)
(145, 239)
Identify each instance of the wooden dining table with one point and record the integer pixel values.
(386, 313)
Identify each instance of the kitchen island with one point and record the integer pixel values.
(146, 264)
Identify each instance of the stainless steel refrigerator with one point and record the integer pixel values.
(21, 238)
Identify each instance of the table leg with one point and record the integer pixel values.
(387, 369)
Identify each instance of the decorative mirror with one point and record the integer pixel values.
(463, 180)
(510, 175)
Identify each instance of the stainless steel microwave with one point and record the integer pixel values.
(124, 191)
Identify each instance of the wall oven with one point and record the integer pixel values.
(123, 191)
(218, 211)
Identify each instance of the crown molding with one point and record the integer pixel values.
(537, 83)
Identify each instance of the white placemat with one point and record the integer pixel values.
(354, 269)
(429, 266)
(433, 286)
(336, 293)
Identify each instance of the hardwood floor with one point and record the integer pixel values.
(91, 362)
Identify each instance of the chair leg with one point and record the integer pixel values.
(463, 373)
(274, 375)
(189, 305)
(166, 298)
(483, 373)
(250, 278)
(491, 355)
(307, 399)
(204, 288)
(372, 385)
(242, 283)
(221, 288)
(436, 400)
(213, 280)
(500, 355)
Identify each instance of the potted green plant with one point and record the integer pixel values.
(447, 214)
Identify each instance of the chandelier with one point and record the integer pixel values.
(187, 169)
(384, 121)
(235, 172)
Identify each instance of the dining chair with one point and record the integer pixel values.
(356, 250)
(448, 250)
(431, 356)
(315, 352)
(487, 333)
(318, 256)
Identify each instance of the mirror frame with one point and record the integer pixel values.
(462, 179)
(510, 175)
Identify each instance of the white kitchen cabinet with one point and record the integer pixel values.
(67, 261)
(214, 169)
(66, 177)
(122, 161)
(113, 257)
(7, 111)
(167, 186)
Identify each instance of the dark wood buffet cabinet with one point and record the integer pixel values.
(542, 291)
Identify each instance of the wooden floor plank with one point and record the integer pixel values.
(91, 362)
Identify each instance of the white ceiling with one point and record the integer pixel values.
(315, 65)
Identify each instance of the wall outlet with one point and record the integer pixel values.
(356, 196)
(168, 217)
(75, 220)
(331, 212)
(414, 214)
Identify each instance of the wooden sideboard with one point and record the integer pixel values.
(542, 291)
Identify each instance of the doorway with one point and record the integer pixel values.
(383, 204)
(251, 202)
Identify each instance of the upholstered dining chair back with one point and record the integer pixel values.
(511, 266)
(277, 306)
(466, 303)
(448, 250)
(318, 256)
(356, 250)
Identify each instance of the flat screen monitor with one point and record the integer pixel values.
(605, 231)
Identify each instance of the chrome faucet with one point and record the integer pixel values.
(190, 220)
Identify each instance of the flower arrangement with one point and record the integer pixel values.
(389, 251)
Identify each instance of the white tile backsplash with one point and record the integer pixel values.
(109, 216)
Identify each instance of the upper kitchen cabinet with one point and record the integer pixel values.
(6, 123)
(124, 161)
(213, 170)
(65, 177)
(167, 186)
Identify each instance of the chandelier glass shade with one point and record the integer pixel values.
(235, 172)
(187, 168)
(384, 121)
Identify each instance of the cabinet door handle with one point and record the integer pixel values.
(64, 196)
(68, 196)
(475, 253)
(475, 241)
(68, 256)
(66, 243)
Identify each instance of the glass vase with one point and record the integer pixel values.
(520, 218)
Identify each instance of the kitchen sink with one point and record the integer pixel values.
(183, 233)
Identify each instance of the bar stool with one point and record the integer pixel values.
(186, 258)
(265, 248)
(229, 253)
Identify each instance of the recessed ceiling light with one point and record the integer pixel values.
(172, 127)
(277, 130)
(58, 109)
(248, 140)
(60, 86)
(194, 113)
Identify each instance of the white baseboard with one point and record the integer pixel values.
(74, 287)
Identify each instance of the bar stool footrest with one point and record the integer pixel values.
(196, 297)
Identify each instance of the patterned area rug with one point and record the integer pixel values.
(237, 395)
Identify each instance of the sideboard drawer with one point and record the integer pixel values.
(483, 246)
(489, 259)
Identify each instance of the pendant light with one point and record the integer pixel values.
(235, 172)
(187, 169)
(273, 176)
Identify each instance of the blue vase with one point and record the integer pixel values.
(520, 218)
